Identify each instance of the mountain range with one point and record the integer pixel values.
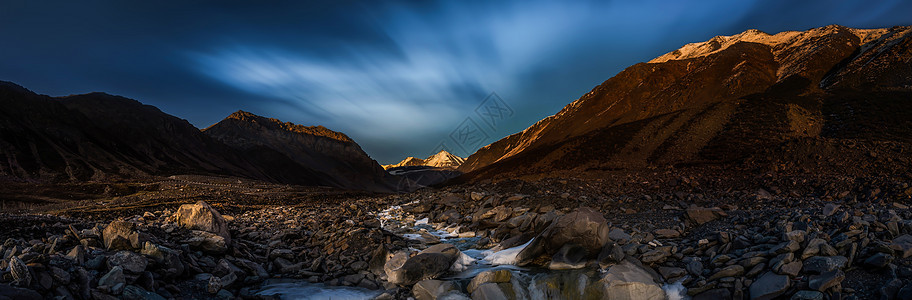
(442, 159)
(104, 137)
(751, 100)
(823, 99)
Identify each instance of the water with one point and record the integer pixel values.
(535, 283)
(298, 289)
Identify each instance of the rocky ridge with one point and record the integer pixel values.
(747, 99)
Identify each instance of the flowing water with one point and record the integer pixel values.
(531, 283)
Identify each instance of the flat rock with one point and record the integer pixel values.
(826, 280)
(822, 264)
(769, 286)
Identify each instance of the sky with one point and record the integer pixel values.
(402, 78)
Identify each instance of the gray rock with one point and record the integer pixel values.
(201, 216)
(701, 215)
(618, 235)
(285, 266)
(769, 286)
(826, 280)
(77, 254)
(20, 272)
(207, 241)
(584, 227)
(630, 280)
(672, 272)
(432, 289)
(132, 292)
(214, 285)
(121, 235)
(807, 295)
(791, 269)
(428, 264)
(714, 294)
(495, 276)
(694, 267)
(829, 209)
(15, 293)
(493, 291)
(729, 271)
(113, 280)
(656, 255)
(129, 261)
(822, 264)
(878, 260)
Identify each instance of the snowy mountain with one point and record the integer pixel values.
(442, 159)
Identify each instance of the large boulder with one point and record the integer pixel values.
(201, 216)
(121, 235)
(583, 227)
(430, 263)
(631, 280)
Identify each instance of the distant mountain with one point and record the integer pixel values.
(104, 137)
(747, 98)
(331, 158)
(99, 137)
(442, 159)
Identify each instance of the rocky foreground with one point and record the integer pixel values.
(635, 238)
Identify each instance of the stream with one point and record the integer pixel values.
(530, 283)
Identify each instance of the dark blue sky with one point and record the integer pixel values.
(397, 76)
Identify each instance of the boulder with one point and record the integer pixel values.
(113, 281)
(494, 291)
(701, 215)
(496, 276)
(769, 286)
(432, 289)
(121, 235)
(20, 272)
(630, 280)
(129, 261)
(207, 241)
(428, 264)
(826, 280)
(201, 216)
(584, 227)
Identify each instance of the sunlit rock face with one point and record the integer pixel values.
(724, 100)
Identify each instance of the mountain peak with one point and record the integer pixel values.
(319, 130)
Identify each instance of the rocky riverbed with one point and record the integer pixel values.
(669, 238)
